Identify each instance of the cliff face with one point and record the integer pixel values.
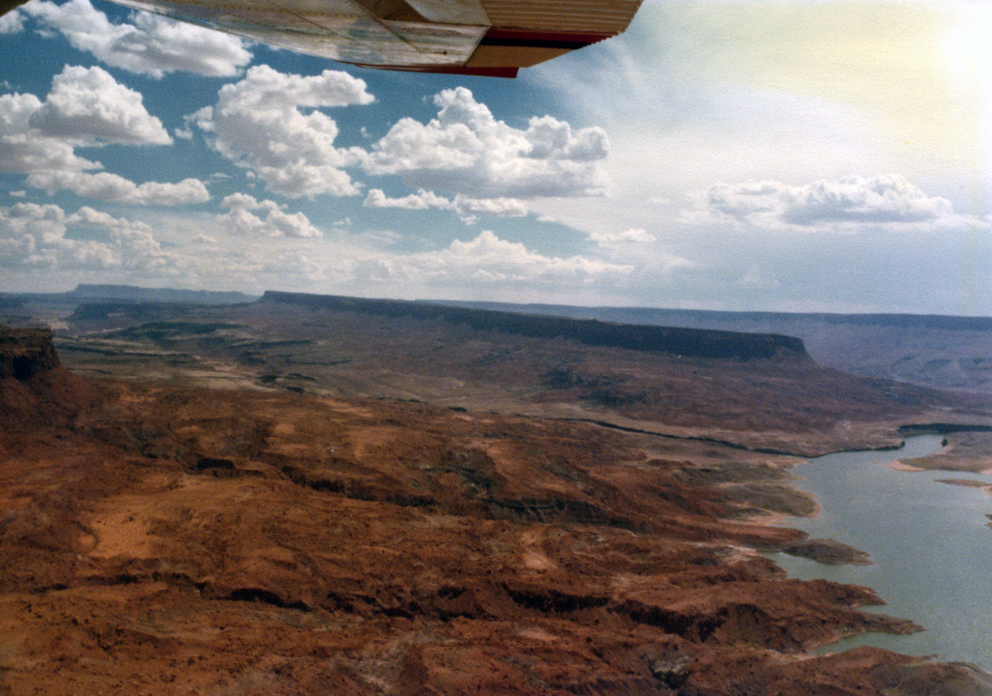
(34, 388)
(25, 353)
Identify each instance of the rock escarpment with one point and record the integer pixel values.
(33, 381)
(26, 352)
(697, 343)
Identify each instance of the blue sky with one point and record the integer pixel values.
(795, 156)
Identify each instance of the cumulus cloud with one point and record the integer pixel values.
(489, 259)
(23, 149)
(848, 203)
(33, 235)
(421, 200)
(241, 221)
(468, 208)
(466, 150)
(104, 186)
(881, 199)
(484, 261)
(86, 107)
(635, 235)
(258, 123)
(11, 23)
(153, 45)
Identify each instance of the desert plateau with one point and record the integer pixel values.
(303, 495)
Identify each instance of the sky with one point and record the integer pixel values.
(819, 155)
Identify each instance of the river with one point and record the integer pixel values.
(930, 543)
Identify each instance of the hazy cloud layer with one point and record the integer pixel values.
(86, 107)
(755, 278)
(153, 45)
(635, 235)
(344, 262)
(489, 259)
(259, 123)
(241, 221)
(468, 209)
(33, 235)
(849, 203)
(466, 150)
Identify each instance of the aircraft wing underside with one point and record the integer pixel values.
(484, 37)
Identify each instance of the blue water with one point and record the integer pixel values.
(930, 543)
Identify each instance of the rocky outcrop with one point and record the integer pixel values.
(828, 551)
(34, 388)
(25, 353)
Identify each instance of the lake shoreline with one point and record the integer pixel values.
(870, 504)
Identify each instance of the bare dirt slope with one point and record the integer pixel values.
(762, 392)
(162, 538)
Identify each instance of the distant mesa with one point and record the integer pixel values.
(706, 318)
(130, 293)
(10, 303)
(691, 343)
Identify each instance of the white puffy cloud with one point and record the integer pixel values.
(153, 45)
(484, 263)
(133, 243)
(41, 223)
(468, 208)
(258, 123)
(881, 199)
(421, 200)
(11, 23)
(635, 235)
(87, 106)
(116, 189)
(846, 204)
(277, 223)
(23, 149)
(33, 235)
(489, 259)
(466, 150)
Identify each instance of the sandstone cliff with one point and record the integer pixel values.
(26, 352)
(33, 382)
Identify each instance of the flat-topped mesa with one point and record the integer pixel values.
(26, 352)
(694, 343)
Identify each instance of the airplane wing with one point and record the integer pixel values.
(476, 37)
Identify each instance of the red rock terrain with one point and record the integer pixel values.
(161, 539)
